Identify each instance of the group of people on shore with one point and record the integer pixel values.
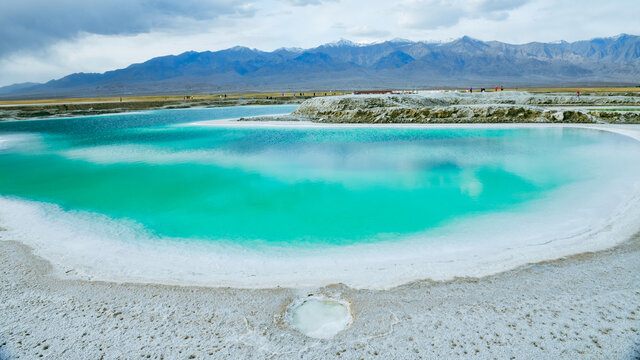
(470, 90)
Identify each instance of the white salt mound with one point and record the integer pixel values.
(320, 317)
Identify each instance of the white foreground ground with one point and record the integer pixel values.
(586, 306)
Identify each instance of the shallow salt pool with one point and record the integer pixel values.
(319, 317)
(149, 196)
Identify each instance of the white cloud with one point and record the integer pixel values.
(366, 31)
(307, 2)
(432, 14)
(30, 24)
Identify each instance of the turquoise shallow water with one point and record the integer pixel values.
(290, 186)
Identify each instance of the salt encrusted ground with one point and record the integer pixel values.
(454, 107)
(587, 306)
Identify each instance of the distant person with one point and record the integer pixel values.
(496, 89)
(471, 90)
(578, 92)
(501, 88)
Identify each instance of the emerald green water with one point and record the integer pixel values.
(292, 186)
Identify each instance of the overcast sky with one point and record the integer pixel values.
(45, 39)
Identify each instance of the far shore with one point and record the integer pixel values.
(71, 107)
(36, 111)
(275, 94)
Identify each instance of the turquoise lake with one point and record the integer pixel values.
(294, 186)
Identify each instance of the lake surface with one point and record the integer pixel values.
(157, 178)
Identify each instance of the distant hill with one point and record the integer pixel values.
(17, 87)
(401, 64)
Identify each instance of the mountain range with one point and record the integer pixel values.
(397, 64)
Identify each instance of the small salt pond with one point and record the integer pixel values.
(320, 317)
(147, 197)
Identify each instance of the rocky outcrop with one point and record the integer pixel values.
(507, 107)
(617, 117)
(451, 114)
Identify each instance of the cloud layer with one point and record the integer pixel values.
(43, 39)
(28, 24)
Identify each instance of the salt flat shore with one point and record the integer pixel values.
(33, 111)
(459, 107)
(585, 306)
(424, 107)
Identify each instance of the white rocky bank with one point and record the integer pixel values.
(454, 107)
